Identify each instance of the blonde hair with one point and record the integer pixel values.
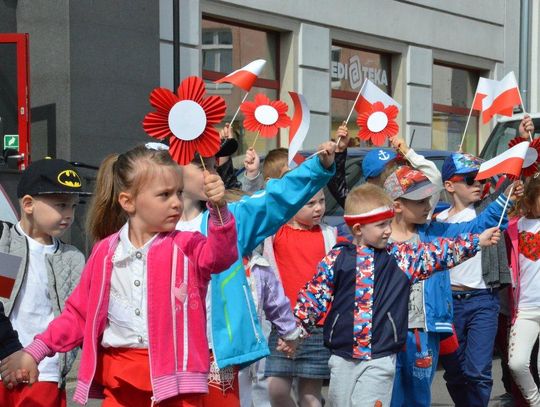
(120, 173)
(274, 163)
(365, 198)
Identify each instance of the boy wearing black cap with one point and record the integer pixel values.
(48, 193)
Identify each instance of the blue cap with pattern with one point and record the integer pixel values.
(459, 164)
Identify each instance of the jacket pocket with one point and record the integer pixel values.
(253, 325)
(394, 329)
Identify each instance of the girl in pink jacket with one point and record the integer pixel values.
(139, 310)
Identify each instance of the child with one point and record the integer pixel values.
(295, 251)
(273, 306)
(48, 193)
(524, 233)
(367, 285)
(475, 285)
(139, 310)
(430, 301)
(234, 332)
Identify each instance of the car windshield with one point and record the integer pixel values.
(501, 135)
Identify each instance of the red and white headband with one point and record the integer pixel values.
(375, 215)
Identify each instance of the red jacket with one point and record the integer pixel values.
(178, 348)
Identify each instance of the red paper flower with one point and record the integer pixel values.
(532, 158)
(379, 124)
(265, 116)
(188, 119)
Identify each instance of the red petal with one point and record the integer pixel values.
(280, 106)
(378, 139)
(163, 99)
(364, 134)
(362, 119)
(283, 121)
(192, 88)
(248, 107)
(391, 129)
(261, 99)
(378, 107)
(156, 125)
(214, 107)
(251, 124)
(182, 151)
(391, 111)
(208, 143)
(269, 131)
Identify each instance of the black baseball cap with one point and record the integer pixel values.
(50, 176)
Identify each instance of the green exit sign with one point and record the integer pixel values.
(11, 141)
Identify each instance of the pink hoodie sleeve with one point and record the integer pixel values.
(66, 331)
(218, 251)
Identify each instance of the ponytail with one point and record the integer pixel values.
(105, 215)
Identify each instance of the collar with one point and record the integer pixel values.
(125, 249)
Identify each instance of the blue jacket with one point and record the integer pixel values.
(237, 338)
(438, 309)
(368, 290)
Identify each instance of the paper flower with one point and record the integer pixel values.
(379, 124)
(532, 158)
(265, 116)
(187, 119)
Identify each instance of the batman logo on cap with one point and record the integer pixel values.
(69, 178)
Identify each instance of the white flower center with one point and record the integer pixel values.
(187, 120)
(377, 121)
(530, 157)
(266, 114)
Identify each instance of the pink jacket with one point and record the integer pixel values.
(178, 348)
(512, 234)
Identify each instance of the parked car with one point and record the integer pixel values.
(505, 130)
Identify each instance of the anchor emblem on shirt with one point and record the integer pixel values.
(383, 155)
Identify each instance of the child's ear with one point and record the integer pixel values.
(449, 186)
(126, 201)
(397, 206)
(27, 204)
(357, 230)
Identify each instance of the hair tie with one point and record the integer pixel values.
(375, 215)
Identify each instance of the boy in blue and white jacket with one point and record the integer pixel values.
(367, 284)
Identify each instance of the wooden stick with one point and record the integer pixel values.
(466, 125)
(218, 211)
(505, 206)
(237, 110)
(524, 111)
(255, 140)
(355, 100)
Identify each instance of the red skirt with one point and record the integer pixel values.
(125, 376)
(40, 394)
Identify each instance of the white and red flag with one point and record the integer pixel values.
(496, 97)
(8, 273)
(299, 127)
(245, 77)
(371, 94)
(510, 162)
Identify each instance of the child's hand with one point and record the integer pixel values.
(489, 237)
(252, 163)
(214, 189)
(342, 138)
(517, 192)
(20, 367)
(287, 347)
(327, 153)
(399, 145)
(226, 132)
(526, 126)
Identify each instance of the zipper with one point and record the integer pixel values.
(251, 315)
(185, 310)
(25, 272)
(173, 302)
(393, 325)
(333, 325)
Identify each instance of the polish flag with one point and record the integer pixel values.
(500, 97)
(484, 84)
(8, 273)
(245, 77)
(299, 127)
(509, 162)
(371, 93)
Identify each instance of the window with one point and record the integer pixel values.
(453, 94)
(348, 68)
(227, 47)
